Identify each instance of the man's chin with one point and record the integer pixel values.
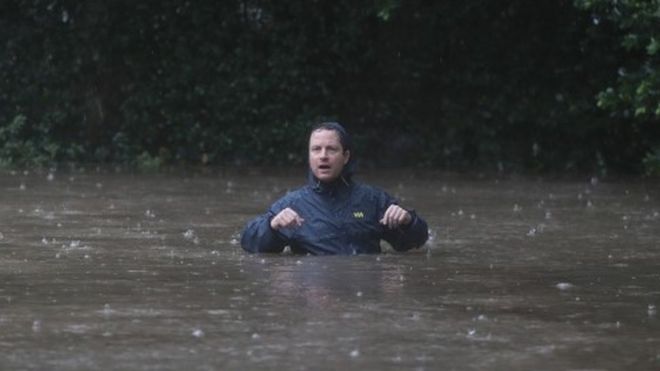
(325, 177)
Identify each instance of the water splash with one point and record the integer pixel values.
(191, 236)
(532, 232)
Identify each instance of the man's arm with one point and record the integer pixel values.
(404, 229)
(265, 233)
(259, 237)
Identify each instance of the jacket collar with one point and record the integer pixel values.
(333, 187)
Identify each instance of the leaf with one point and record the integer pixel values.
(653, 47)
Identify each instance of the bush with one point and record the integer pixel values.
(454, 85)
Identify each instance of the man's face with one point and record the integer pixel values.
(326, 155)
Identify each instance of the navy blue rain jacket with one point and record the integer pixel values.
(340, 218)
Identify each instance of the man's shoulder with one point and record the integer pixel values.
(370, 192)
(364, 188)
(290, 198)
(295, 193)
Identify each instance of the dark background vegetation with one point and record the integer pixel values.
(514, 86)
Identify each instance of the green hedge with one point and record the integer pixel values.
(451, 84)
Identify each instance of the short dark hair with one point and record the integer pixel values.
(344, 137)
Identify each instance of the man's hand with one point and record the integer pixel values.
(396, 216)
(286, 218)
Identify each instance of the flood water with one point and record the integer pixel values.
(103, 270)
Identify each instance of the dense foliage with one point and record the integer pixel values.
(634, 96)
(515, 85)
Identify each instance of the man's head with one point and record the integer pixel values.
(329, 151)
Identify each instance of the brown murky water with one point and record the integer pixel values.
(120, 271)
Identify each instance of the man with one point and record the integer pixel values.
(332, 214)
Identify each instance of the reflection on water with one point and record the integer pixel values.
(121, 271)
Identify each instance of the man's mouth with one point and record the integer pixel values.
(324, 167)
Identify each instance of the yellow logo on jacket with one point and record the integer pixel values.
(358, 214)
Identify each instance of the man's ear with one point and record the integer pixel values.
(347, 156)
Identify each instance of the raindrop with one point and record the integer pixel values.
(65, 16)
(652, 311)
(22, 187)
(532, 232)
(189, 234)
(36, 325)
(564, 286)
(593, 181)
(548, 215)
(358, 294)
(355, 353)
(149, 214)
(517, 208)
(471, 332)
(198, 333)
(256, 336)
(50, 177)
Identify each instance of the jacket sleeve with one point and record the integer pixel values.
(259, 237)
(407, 237)
(410, 236)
